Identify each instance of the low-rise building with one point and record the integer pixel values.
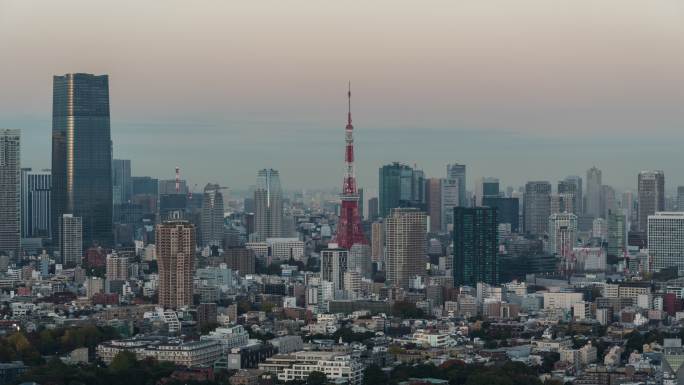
(189, 354)
(297, 366)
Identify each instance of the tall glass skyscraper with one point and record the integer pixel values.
(82, 155)
(10, 171)
(475, 246)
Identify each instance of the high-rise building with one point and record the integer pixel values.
(144, 185)
(361, 205)
(562, 203)
(475, 246)
(359, 260)
(212, 227)
(240, 259)
(608, 200)
(593, 196)
(373, 209)
(377, 241)
(486, 187)
(451, 190)
(573, 185)
(507, 211)
(82, 154)
(175, 247)
(458, 171)
(268, 199)
(35, 203)
(627, 205)
(10, 192)
(400, 186)
(405, 239)
(562, 234)
(433, 192)
(666, 240)
(334, 265)
(117, 267)
(122, 184)
(70, 239)
(617, 234)
(536, 207)
(651, 195)
(349, 230)
(680, 198)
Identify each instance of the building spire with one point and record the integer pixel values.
(349, 119)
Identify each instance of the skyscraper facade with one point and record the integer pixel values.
(536, 207)
(175, 246)
(593, 197)
(507, 211)
(10, 193)
(451, 197)
(377, 241)
(486, 187)
(665, 231)
(572, 187)
(70, 240)
(212, 227)
(680, 198)
(651, 195)
(35, 203)
(562, 234)
(82, 154)
(373, 209)
(608, 200)
(405, 239)
(122, 185)
(400, 186)
(433, 188)
(334, 265)
(617, 234)
(458, 171)
(475, 246)
(268, 201)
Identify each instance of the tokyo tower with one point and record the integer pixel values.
(349, 230)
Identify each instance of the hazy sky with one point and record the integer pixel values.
(517, 89)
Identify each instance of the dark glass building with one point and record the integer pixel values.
(82, 155)
(475, 246)
(400, 186)
(508, 210)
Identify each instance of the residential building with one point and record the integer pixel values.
(297, 366)
(475, 246)
(175, 247)
(35, 203)
(10, 193)
(70, 240)
(212, 227)
(666, 239)
(405, 239)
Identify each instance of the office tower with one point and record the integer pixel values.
(451, 190)
(680, 198)
(373, 209)
(458, 171)
(359, 260)
(599, 229)
(573, 185)
(10, 193)
(82, 154)
(666, 240)
(400, 186)
(433, 188)
(562, 203)
(651, 195)
(35, 203)
(144, 185)
(349, 230)
(507, 211)
(175, 247)
(405, 240)
(475, 246)
(608, 201)
(562, 234)
(268, 199)
(122, 184)
(172, 204)
(173, 186)
(617, 234)
(334, 265)
(627, 206)
(70, 240)
(486, 187)
(377, 241)
(536, 207)
(212, 216)
(117, 267)
(593, 206)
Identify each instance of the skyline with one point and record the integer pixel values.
(448, 88)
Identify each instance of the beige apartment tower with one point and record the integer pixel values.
(175, 244)
(405, 239)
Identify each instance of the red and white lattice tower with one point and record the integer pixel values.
(349, 230)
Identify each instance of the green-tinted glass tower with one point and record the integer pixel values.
(475, 246)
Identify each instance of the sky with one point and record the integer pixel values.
(520, 90)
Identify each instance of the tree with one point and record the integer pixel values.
(123, 361)
(316, 378)
(374, 375)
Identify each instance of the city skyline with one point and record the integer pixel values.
(614, 111)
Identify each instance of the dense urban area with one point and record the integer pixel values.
(111, 278)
